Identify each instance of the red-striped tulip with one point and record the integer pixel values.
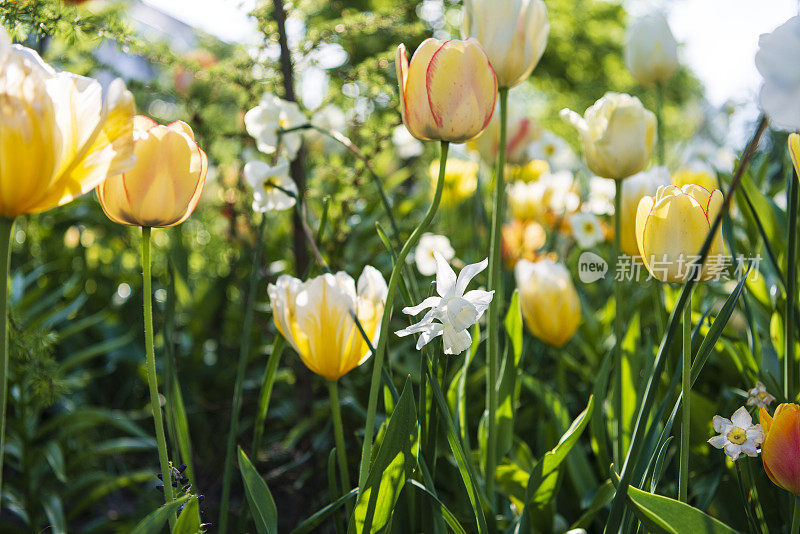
(447, 91)
(780, 451)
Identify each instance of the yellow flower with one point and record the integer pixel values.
(460, 180)
(522, 240)
(529, 172)
(316, 318)
(514, 33)
(58, 139)
(165, 185)
(794, 151)
(697, 173)
(671, 228)
(779, 450)
(617, 134)
(447, 91)
(548, 299)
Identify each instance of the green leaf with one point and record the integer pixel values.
(315, 520)
(393, 465)
(155, 521)
(262, 506)
(54, 511)
(451, 519)
(54, 456)
(508, 388)
(601, 499)
(189, 520)
(662, 515)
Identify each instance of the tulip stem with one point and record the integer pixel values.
(493, 320)
(6, 225)
(338, 432)
(377, 364)
(152, 376)
(686, 391)
(659, 120)
(795, 516)
(618, 323)
(791, 289)
(241, 368)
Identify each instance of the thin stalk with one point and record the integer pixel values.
(377, 364)
(6, 225)
(751, 522)
(686, 388)
(493, 320)
(266, 392)
(795, 517)
(152, 377)
(338, 432)
(659, 123)
(618, 311)
(244, 351)
(791, 289)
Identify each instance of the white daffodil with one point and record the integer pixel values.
(554, 150)
(758, 396)
(601, 196)
(454, 310)
(737, 435)
(272, 114)
(586, 229)
(423, 254)
(273, 188)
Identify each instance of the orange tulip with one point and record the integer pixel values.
(780, 451)
(447, 91)
(165, 185)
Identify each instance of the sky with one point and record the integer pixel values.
(718, 38)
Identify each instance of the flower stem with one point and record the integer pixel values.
(686, 390)
(377, 364)
(743, 494)
(338, 432)
(791, 289)
(493, 320)
(6, 225)
(795, 516)
(618, 311)
(152, 377)
(659, 123)
(244, 351)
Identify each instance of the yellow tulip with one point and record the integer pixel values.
(164, 187)
(513, 32)
(58, 139)
(633, 190)
(530, 172)
(548, 299)
(617, 135)
(316, 318)
(522, 240)
(460, 180)
(794, 151)
(447, 91)
(697, 173)
(671, 228)
(780, 451)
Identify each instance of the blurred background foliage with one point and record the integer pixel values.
(81, 455)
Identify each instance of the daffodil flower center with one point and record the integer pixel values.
(737, 435)
(588, 227)
(762, 395)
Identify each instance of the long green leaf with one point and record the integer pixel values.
(189, 520)
(662, 515)
(155, 521)
(393, 465)
(262, 506)
(508, 388)
(452, 522)
(315, 520)
(54, 511)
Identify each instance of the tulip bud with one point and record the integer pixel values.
(779, 452)
(633, 190)
(447, 91)
(58, 138)
(548, 299)
(671, 228)
(513, 33)
(617, 134)
(651, 52)
(165, 185)
(316, 318)
(794, 151)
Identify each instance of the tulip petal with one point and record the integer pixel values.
(419, 119)
(764, 418)
(781, 449)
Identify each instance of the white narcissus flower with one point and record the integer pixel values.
(758, 396)
(271, 185)
(737, 435)
(651, 53)
(617, 134)
(601, 196)
(586, 229)
(272, 114)
(778, 61)
(329, 117)
(513, 33)
(554, 150)
(423, 254)
(453, 312)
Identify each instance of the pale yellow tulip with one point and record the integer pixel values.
(447, 91)
(549, 302)
(316, 318)
(58, 138)
(164, 187)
